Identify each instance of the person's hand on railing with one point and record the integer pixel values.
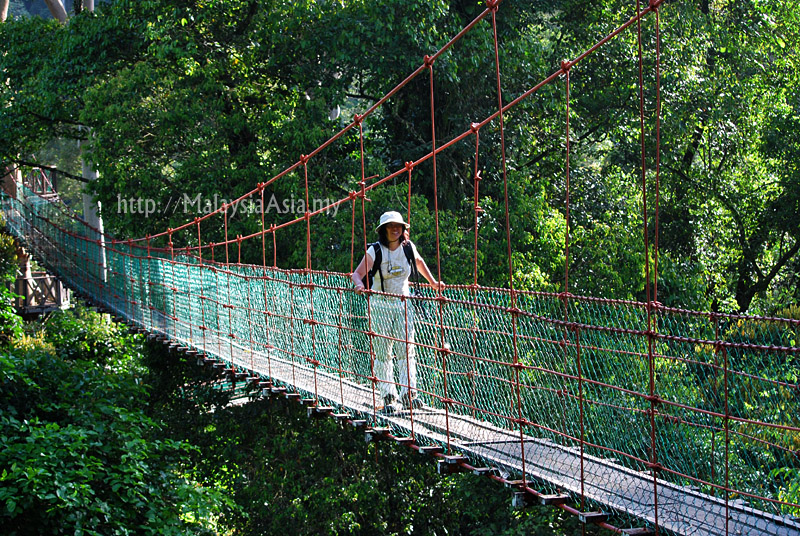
(438, 285)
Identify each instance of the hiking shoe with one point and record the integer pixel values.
(390, 406)
(410, 402)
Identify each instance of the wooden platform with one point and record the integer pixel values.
(39, 293)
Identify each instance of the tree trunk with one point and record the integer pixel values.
(91, 213)
(56, 8)
(91, 208)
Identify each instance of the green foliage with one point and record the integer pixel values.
(79, 455)
(81, 334)
(790, 489)
(10, 323)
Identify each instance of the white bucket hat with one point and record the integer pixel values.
(391, 217)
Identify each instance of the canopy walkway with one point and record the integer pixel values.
(634, 416)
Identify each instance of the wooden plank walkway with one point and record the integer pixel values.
(682, 510)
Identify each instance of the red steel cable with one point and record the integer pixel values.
(441, 350)
(304, 160)
(493, 7)
(658, 151)
(476, 208)
(649, 298)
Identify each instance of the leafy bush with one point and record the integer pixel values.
(80, 333)
(78, 452)
(10, 323)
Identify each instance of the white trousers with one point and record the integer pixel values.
(393, 322)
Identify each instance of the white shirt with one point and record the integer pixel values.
(395, 269)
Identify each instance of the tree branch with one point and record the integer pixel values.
(51, 168)
(589, 132)
(764, 281)
(56, 8)
(362, 96)
(52, 121)
(728, 204)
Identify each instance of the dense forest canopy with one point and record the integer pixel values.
(210, 98)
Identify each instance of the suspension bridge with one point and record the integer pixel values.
(633, 416)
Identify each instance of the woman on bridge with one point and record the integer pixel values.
(397, 259)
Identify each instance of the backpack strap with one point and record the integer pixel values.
(409, 251)
(376, 265)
